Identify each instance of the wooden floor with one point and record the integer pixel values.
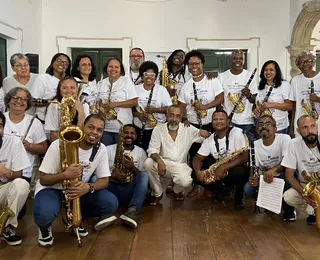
(193, 229)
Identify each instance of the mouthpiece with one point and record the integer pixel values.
(158, 56)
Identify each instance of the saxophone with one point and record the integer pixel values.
(311, 191)
(119, 157)
(69, 139)
(151, 122)
(166, 81)
(267, 111)
(5, 215)
(308, 107)
(109, 113)
(209, 174)
(233, 99)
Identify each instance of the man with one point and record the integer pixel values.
(301, 91)
(269, 151)
(302, 154)
(233, 82)
(130, 190)
(95, 200)
(168, 150)
(136, 58)
(13, 189)
(224, 142)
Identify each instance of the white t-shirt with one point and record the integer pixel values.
(36, 135)
(160, 98)
(90, 89)
(122, 90)
(13, 155)
(51, 164)
(45, 87)
(268, 157)
(299, 156)
(237, 141)
(138, 154)
(2, 105)
(10, 83)
(133, 77)
(233, 84)
(207, 90)
(300, 90)
(52, 116)
(278, 95)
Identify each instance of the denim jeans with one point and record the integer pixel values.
(131, 194)
(47, 204)
(109, 138)
(283, 131)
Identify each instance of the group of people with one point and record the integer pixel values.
(214, 122)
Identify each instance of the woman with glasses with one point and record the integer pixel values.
(153, 102)
(273, 96)
(84, 71)
(118, 95)
(22, 77)
(45, 86)
(67, 87)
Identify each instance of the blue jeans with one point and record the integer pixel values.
(47, 204)
(109, 138)
(132, 193)
(283, 131)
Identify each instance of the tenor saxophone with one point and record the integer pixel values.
(311, 191)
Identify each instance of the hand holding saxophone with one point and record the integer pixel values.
(73, 171)
(314, 97)
(117, 176)
(311, 202)
(78, 190)
(246, 92)
(127, 163)
(149, 110)
(198, 106)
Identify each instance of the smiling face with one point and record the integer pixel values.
(237, 60)
(114, 69)
(220, 121)
(69, 88)
(19, 102)
(136, 59)
(266, 127)
(85, 66)
(195, 66)
(61, 64)
(93, 130)
(178, 58)
(129, 135)
(149, 77)
(306, 63)
(270, 72)
(21, 67)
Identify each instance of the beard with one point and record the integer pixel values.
(308, 140)
(135, 65)
(173, 126)
(264, 133)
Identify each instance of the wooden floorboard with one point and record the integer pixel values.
(190, 230)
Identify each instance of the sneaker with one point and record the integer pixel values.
(311, 220)
(290, 217)
(11, 236)
(45, 237)
(131, 217)
(104, 222)
(82, 231)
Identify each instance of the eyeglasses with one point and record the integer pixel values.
(22, 99)
(149, 74)
(194, 64)
(267, 124)
(61, 61)
(304, 62)
(20, 66)
(136, 56)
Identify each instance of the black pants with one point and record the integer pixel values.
(143, 140)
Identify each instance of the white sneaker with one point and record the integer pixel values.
(104, 222)
(45, 237)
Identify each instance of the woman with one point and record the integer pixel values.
(176, 71)
(122, 98)
(22, 77)
(67, 87)
(274, 101)
(153, 102)
(25, 127)
(2, 106)
(84, 70)
(45, 86)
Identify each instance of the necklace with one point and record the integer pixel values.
(197, 76)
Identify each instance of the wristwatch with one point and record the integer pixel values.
(91, 188)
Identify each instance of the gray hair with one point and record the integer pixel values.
(13, 92)
(305, 53)
(17, 56)
(174, 106)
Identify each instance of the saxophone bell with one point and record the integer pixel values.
(5, 215)
(310, 191)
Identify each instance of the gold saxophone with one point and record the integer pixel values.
(265, 112)
(119, 157)
(233, 99)
(209, 174)
(311, 191)
(151, 122)
(69, 138)
(166, 81)
(5, 215)
(308, 110)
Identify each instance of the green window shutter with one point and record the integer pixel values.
(3, 56)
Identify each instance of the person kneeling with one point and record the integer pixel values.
(95, 199)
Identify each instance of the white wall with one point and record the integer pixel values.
(20, 24)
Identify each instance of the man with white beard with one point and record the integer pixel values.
(168, 150)
(136, 58)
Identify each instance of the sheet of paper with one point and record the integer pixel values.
(270, 194)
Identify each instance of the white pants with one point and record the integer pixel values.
(295, 199)
(179, 172)
(14, 194)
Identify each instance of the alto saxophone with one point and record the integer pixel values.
(166, 81)
(5, 215)
(311, 191)
(69, 137)
(233, 99)
(209, 174)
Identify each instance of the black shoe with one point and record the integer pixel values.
(11, 236)
(239, 205)
(81, 230)
(311, 220)
(217, 199)
(131, 217)
(45, 237)
(289, 216)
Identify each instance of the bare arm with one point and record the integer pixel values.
(100, 183)
(243, 158)
(216, 102)
(36, 148)
(289, 176)
(286, 106)
(125, 104)
(53, 136)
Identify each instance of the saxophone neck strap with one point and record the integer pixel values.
(216, 138)
(94, 152)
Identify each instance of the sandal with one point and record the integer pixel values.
(194, 192)
(155, 201)
(179, 196)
